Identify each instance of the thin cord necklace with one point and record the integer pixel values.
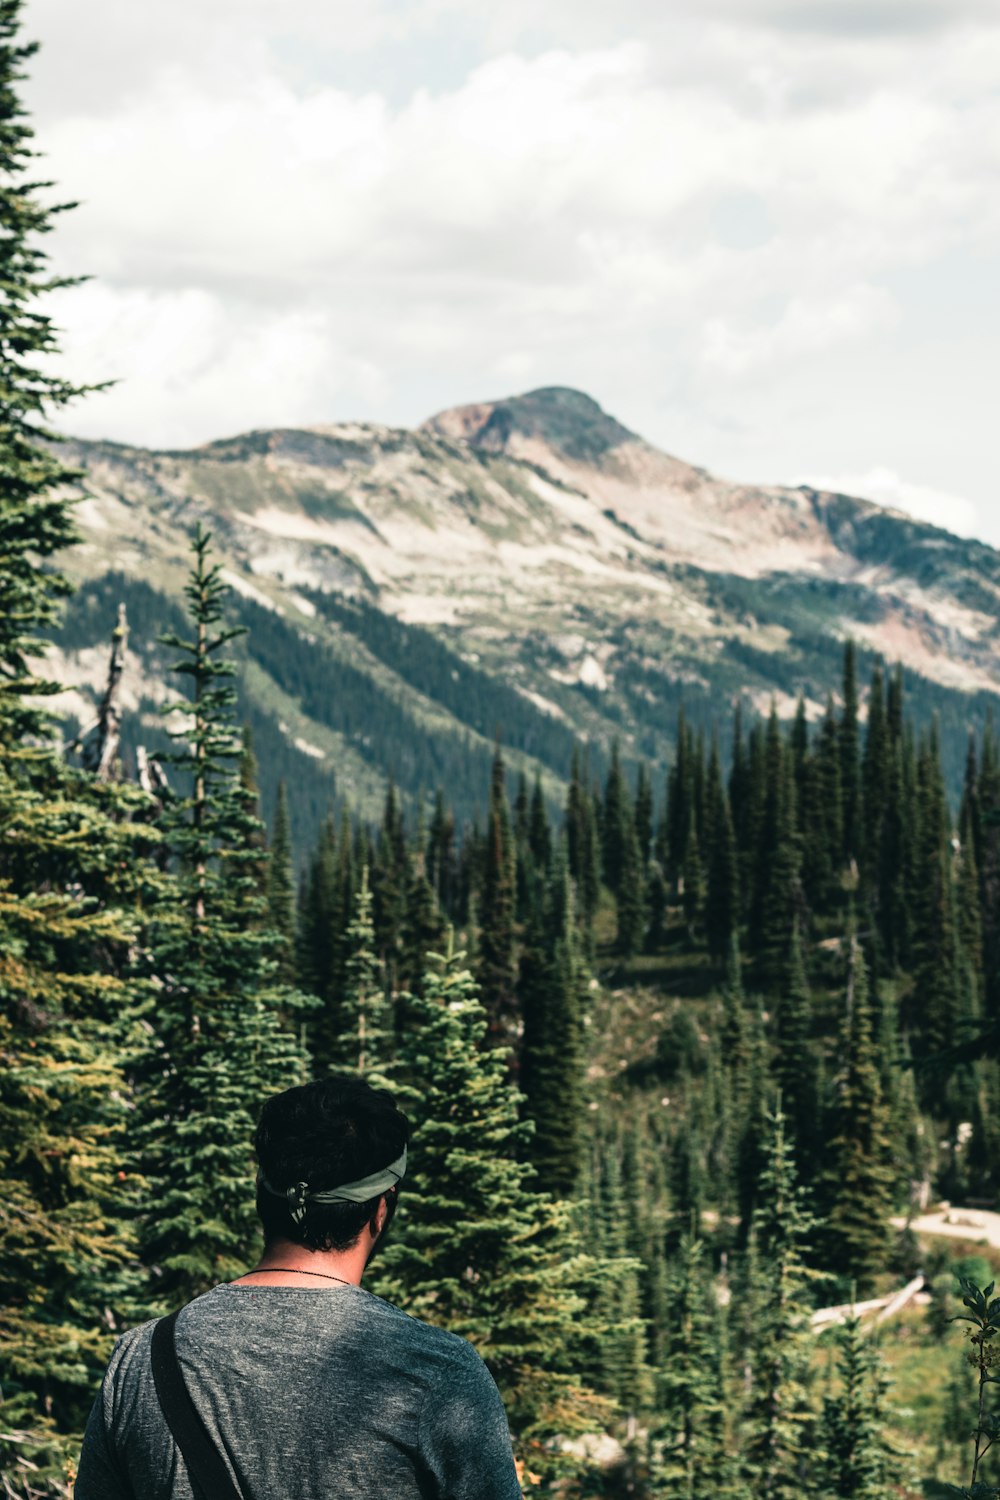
(295, 1271)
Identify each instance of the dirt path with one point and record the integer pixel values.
(974, 1224)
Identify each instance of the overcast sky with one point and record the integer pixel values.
(763, 233)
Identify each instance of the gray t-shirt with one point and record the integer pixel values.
(311, 1394)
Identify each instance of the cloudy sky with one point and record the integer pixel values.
(763, 233)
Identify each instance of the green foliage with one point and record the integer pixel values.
(220, 1039)
(281, 914)
(479, 1249)
(695, 1442)
(364, 1042)
(552, 992)
(860, 1177)
(496, 911)
(857, 1463)
(71, 876)
(779, 1423)
(984, 1355)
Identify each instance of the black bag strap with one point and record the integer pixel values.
(210, 1478)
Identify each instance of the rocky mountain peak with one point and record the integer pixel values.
(568, 422)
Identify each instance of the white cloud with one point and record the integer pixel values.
(188, 352)
(803, 328)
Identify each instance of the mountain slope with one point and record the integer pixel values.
(527, 566)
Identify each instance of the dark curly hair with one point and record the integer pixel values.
(336, 1130)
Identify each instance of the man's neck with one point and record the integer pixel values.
(284, 1263)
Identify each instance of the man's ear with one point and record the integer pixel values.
(376, 1223)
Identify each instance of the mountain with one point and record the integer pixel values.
(527, 567)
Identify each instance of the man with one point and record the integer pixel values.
(307, 1385)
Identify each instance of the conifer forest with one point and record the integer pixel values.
(685, 1056)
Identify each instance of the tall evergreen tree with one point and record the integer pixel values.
(552, 988)
(496, 911)
(779, 877)
(680, 802)
(694, 1402)
(320, 915)
(582, 843)
(619, 1369)
(480, 1250)
(389, 875)
(281, 913)
(423, 927)
(539, 831)
(794, 1066)
(72, 878)
(693, 881)
(442, 861)
(219, 1042)
(875, 780)
(617, 823)
(860, 1176)
(857, 1461)
(644, 813)
(936, 1002)
(722, 898)
(850, 764)
(364, 1045)
(631, 898)
(777, 1435)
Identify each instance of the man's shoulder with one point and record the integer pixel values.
(129, 1345)
(439, 1342)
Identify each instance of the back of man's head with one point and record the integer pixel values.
(335, 1131)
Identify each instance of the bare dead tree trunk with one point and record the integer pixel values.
(100, 750)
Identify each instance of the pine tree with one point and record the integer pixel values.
(320, 916)
(794, 1066)
(539, 832)
(423, 927)
(551, 991)
(496, 910)
(831, 793)
(694, 881)
(893, 909)
(219, 1043)
(582, 842)
(875, 779)
(779, 881)
(644, 813)
(631, 898)
(857, 1461)
(480, 1250)
(281, 914)
(694, 1402)
(72, 877)
(680, 802)
(364, 1045)
(775, 1454)
(256, 835)
(722, 901)
(389, 874)
(739, 781)
(860, 1177)
(442, 864)
(618, 820)
(619, 1369)
(935, 1003)
(850, 765)
(988, 798)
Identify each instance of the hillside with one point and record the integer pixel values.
(529, 567)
